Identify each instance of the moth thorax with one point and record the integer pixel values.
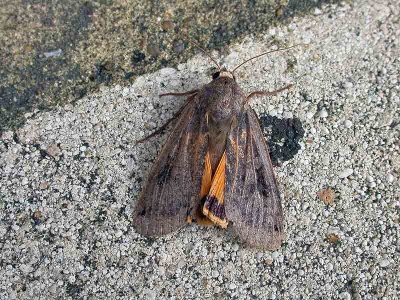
(225, 73)
(221, 113)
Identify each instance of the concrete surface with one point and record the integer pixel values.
(70, 178)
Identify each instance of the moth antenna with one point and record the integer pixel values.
(265, 53)
(196, 45)
(201, 49)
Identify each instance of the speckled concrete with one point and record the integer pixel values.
(70, 178)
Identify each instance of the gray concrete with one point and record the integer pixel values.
(70, 178)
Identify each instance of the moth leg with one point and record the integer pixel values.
(162, 128)
(158, 131)
(264, 93)
(180, 94)
(201, 219)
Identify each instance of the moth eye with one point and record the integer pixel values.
(215, 75)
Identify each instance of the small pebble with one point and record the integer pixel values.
(345, 173)
(322, 113)
(384, 263)
(324, 130)
(53, 150)
(372, 184)
(167, 25)
(273, 113)
(178, 46)
(25, 269)
(317, 11)
(345, 296)
(167, 71)
(370, 178)
(36, 215)
(325, 160)
(53, 53)
(288, 115)
(153, 50)
(348, 123)
(43, 185)
(235, 247)
(389, 178)
(125, 91)
(348, 85)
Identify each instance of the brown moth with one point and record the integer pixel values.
(214, 168)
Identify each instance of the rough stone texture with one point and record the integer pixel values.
(54, 52)
(70, 178)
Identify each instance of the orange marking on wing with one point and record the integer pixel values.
(217, 191)
(188, 219)
(217, 188)
(214, 219)
(206, 179)
(244, 134)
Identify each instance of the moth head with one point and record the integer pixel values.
(223, 72)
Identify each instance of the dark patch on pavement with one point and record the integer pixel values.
(283, 136)
(56, 53)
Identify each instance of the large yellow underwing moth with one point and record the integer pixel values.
(214, 168)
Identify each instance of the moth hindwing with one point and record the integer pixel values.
(214, 168)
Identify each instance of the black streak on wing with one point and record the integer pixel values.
(252, 202)
(175, 178)
(217, 209)
(262, 186)
(165, 173)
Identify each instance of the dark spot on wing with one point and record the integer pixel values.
(251, 188)
(243, 177)
(203, 200)
(164, 175)
(142, 212)
(262, 185)
(165, 172)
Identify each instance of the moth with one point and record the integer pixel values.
(214, 168)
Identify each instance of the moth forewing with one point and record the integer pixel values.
(253, 202)
(170, 190)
